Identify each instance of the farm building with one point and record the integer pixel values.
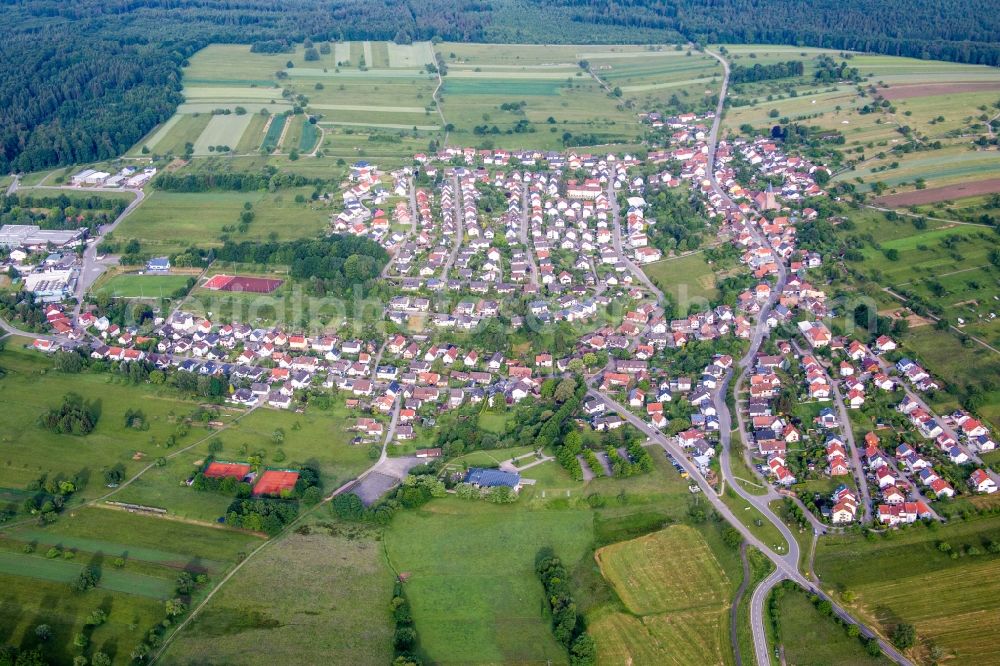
(492, 478)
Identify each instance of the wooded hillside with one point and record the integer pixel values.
(85, 81)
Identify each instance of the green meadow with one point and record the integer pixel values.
(171, 221)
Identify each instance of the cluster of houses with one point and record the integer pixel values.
(561, 248)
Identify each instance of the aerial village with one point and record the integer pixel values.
(542, 239)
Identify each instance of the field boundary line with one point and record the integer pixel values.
(906, 301)
(936, 219)
(277, 537)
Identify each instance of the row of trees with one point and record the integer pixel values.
(341, 261)
(759, 72)
(269, 179)
(567, 623)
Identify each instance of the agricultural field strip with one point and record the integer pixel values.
(612, 55)
(667, 84)
(410, 55)
(162, 132)
(568, 67)
(224, 130)
(425, 128)
(345, 73)
(109, 548)
(218, 92)
(61, 571)
(342, 51)
(277, 106)
(471, 74)
(368, 107)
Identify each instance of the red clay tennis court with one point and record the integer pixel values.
(273, 481)
(220, 470)
(242, 283)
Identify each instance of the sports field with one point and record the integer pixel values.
(676, 596)
(141, 286)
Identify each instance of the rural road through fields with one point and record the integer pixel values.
(734, 610)
(787, 565)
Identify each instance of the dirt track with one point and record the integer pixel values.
(934, 194)
(908, 90)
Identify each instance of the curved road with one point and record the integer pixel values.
(787, 564)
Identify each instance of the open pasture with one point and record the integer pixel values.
(951, 602)
(949, 165)
(222, 130)
(679, 639)
(233, 64)
(174, 135)
(31, 386)
(810, 638)
(645, 576)
(155, 550)
(113, 533)
(28, 602)
(335, 587)
(169, 221)
(406, 56)
(471, 579)
(684, 278)
(933, 252)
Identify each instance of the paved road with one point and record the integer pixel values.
(848, 432)
(787, 565)
(523, 234)
(91, 268)
(457, 204)
(617, 241)
(414, 214)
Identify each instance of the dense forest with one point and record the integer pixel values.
(87, 80)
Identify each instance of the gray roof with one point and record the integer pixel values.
(491, 478)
